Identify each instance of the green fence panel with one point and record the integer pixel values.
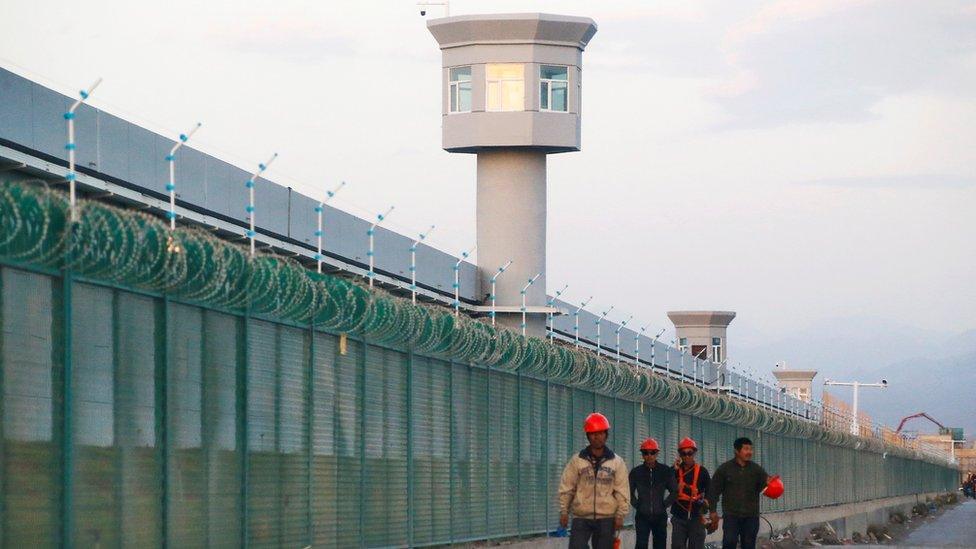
(385, 499)
(430, 415)
(559, 444)
(187, 464)
(30, 411)
(470, 444)
(118, 463)
(96, 496)
(530, 455)
(325, 456)
(221, 401)
(347, 444)
(277, 503)
(264, 493)
(348, 440)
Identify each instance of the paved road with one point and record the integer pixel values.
(955, 528)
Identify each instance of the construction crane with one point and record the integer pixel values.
(942, 428)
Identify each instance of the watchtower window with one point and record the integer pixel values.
(505, 86)
(553, 86)
(460, 89)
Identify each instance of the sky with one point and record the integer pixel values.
(794, 161)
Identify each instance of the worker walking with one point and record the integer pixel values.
(969, 485)
(594, 489)
(648, 482)
(687, 513)
(738, 483)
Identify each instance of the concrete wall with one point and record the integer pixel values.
(110, 148)
(845, 519)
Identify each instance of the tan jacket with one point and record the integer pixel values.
(594, 492)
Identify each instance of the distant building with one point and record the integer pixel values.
(702, 333)
(798, 383)
(967, 459)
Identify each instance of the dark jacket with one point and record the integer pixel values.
(647, 488)
(703, 484)
(738, 487)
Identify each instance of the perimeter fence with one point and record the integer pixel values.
(165, 388)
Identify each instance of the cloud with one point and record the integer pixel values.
(923, 182)
(773, 15)
(833, 60)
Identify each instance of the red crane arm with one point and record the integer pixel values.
(913, 416)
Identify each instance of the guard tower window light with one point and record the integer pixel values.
(553, 88)
(505, 83)
(460, 89)
(683, 344)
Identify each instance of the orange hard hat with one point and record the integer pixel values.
(649, 444)
(774, 488)
(686, 443)
(596, 422)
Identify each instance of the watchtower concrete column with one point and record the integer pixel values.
(512, 225)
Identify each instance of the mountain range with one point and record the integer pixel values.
(926, 371)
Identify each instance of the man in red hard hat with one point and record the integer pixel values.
(687, 513)
(648, 482)
(738, 482)
(594, 488)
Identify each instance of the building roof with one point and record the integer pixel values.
(683, 319)
(795, 375)
(512, 28)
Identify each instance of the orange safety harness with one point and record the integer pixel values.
(688, 493)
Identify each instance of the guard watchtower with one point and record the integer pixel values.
(511, 95)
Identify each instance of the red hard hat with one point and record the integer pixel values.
(596, 422)
(774, 488)
(686, 443)
(649, 444)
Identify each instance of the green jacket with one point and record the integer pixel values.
(738, 487)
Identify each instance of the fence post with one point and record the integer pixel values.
(163, 432)
(410, 506)
(3, 493)
(362, 446)
(450, 448)
(276, 442)
(518, 444)
(309, 435)
(67, 451)
(119, 473)
(547, 501)
(242, 367)
(207, 430)
(487, 449)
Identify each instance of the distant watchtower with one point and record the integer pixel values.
(798, 383)
(511, 95)
(702, 333)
